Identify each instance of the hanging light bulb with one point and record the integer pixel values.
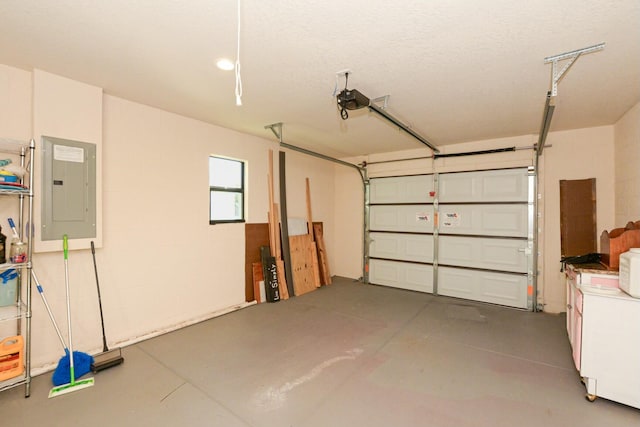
(225, 64)
(238, 85)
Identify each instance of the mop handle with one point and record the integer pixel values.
(65, 247)
(13, 228)
(46, 304)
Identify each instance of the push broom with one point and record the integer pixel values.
(73, 385)
(108, 358)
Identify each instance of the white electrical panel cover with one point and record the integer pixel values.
(68, 189)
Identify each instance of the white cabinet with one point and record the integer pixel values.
(603, 324)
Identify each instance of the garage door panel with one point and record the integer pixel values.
(509, 220)
(417, 277)
(509, 185)
(407, 218)
(403, 189)
(497, 288)
(419, 248)
(407, 247)
(384, 245)
(486, 253)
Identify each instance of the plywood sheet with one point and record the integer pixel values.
(282, 280)
(323, 261)
(304, 264)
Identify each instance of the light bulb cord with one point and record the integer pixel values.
(237, 66)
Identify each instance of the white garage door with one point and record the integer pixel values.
(471, 237)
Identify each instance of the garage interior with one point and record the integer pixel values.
(404, 196)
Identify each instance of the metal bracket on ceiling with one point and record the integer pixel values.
(276, 128)
(384, 99)
(572, 57)
(556, 76)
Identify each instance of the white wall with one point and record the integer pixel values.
(349, 221)
(67, 109)
(576, 154)
(627, 167)
(15, 103)
(161, 264)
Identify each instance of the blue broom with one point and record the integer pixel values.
(81, 361)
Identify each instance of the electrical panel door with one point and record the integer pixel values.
(68, 189)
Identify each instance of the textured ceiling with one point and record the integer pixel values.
(455, 71)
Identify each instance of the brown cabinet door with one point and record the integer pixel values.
(578, 217)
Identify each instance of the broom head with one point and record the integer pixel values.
(81, 363)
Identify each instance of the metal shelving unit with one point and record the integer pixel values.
(20, 312)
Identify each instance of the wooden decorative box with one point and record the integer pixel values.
(617, 241)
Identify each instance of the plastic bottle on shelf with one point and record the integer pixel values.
(18, 253)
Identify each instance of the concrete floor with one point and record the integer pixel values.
(345, 355)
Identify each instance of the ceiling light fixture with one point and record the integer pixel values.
(225, 64)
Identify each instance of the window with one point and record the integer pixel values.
(226, 190)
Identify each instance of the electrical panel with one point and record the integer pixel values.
(68, 189)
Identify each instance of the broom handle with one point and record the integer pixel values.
(65, 247)
(95, 267)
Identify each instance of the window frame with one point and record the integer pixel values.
(240, 190)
